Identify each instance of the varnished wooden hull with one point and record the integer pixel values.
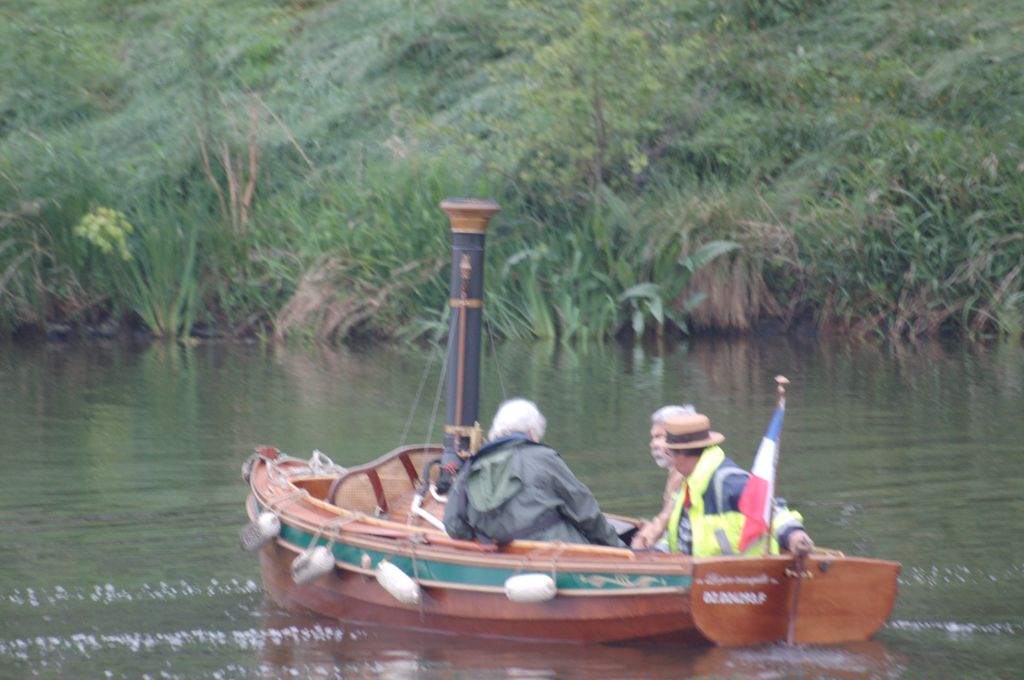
(603, 594)
(359, 598)
(824, 599)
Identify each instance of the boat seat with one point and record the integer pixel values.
(374, 487)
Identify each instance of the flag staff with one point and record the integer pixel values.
(780, 386)
(798, 570)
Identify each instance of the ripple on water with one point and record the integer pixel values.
(956, 629)
(51, 650)
(108, 593)
(325, 650)
(936, 576)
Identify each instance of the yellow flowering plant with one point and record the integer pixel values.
(108, 230)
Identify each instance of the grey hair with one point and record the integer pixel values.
(671, 411)
(518, 415)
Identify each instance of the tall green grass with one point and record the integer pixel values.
(661, 165)
(161, 282)
(610, 270)
(152, 265)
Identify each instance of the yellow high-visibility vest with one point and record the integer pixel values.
(715, 520)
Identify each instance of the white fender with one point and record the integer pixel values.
(312, 564)
(397, 583)
(530, 588)
(259, 532)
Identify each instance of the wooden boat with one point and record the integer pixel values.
(366, 544)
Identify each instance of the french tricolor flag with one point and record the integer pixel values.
(756, 500)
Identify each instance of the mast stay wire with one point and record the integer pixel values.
(494, 348)
(419, 393)
(437, 394)
(441, 379)
(440, 388)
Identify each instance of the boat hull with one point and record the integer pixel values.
(601, 594)
(355, 597)
(822, 599)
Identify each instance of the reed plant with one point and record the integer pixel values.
(378, 263)
(163, 288)
(48, 274)
(612, 270)
(924, 234)
(152, 265)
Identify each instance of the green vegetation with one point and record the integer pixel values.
(274, 167)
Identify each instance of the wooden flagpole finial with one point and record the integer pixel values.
(781, 381)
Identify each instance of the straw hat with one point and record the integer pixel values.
(690, 431)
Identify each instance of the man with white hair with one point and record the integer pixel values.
(651, 532)
(710, 499)
(517, 488)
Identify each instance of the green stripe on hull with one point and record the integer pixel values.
(466, 575)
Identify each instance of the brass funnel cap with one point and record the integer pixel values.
(469, 215)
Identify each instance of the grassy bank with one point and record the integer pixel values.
(275, 167)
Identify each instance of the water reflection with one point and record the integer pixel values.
(297, 645)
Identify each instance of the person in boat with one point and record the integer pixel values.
(710, 494)
(514, 487)
(651, 534)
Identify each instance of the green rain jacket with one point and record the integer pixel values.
(514, 489)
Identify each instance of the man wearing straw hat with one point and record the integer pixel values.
(710, 494)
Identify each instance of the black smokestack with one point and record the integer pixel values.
(469, 218)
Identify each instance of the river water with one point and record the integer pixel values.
(121, 499)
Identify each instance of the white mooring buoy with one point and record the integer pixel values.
(259, 532)
(397, 583)
(312, 564)
(530, 588)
